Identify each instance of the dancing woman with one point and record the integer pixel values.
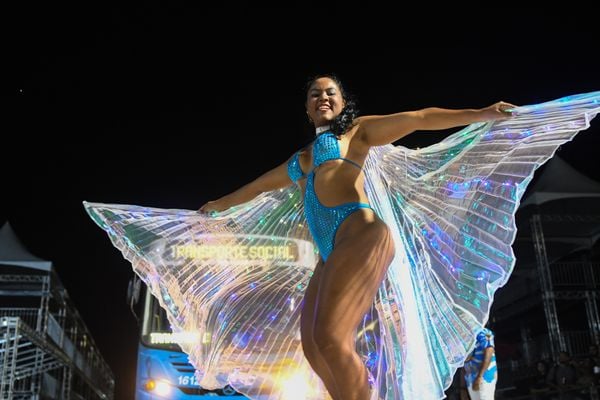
(411, 246)
(355, 244)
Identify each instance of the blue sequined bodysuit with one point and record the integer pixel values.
(323, 221)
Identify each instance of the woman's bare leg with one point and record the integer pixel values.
(351, 277)
(307, 319)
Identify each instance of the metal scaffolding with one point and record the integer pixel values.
(46, 350)
(565, 281)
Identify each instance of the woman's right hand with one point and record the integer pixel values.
(212, 207)
(499, 110)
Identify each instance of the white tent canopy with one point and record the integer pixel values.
(14, 253)
(571, 203)
(560, 181)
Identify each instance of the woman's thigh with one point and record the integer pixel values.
(352, 273)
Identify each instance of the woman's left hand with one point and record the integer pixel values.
(212, 207)
(499, 110)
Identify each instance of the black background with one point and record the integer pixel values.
(172, 106)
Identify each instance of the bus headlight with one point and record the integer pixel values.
(161, 388)
(296, 387)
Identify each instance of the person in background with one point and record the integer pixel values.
(538, 385)
(480, 371)
(562, 377)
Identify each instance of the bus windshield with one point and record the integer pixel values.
(156, 329)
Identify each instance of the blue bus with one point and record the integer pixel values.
(163, 369)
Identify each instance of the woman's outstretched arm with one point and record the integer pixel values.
(377, 130)
(277, 178)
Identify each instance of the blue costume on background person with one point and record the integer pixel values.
(238, 278)
(473, 367)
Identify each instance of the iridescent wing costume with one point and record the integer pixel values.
(238, 278)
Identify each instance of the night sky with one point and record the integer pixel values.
(173, 106)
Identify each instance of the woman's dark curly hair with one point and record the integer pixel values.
(343, 122)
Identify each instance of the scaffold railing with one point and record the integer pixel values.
(41, 351)
(575, 274)
(25, 356)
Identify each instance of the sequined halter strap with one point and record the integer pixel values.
(326, 147)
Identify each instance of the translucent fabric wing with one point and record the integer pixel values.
(452, 208)
(238, 279)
